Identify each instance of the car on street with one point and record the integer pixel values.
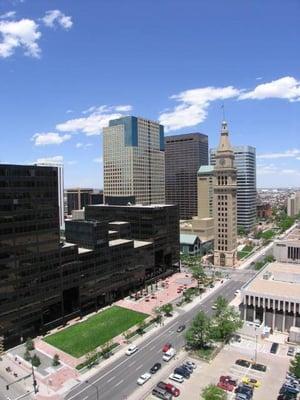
(155, 368)
(274, 348)
(180, 328)
(131, 350)
(291, 351)
(144, 378)
(169, 388)
(176, 377)
(237, 292)
(251, 381)
(166, 347)
(243, 363)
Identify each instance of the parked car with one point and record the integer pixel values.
(166, 347)
(183, 372)
(161, 394)
(131, 350)
(251, 381)
(181, 328)
(274, 348)
(243, 363)
(188, 368)
(225, 386)
(259, 367)
(191, 364)
(155, 368)
(228, 379)
(169, 388)
(291, 351)
(144, 378)
(169, 354)
(244, 389)
(176, 377)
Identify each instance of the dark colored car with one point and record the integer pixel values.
(245, 389)
(243, 363)
(155, 368)
(182, 371)
(274, 348)
(188, 368)
(259, 367)
(181, 328)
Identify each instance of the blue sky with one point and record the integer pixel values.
(67, 67)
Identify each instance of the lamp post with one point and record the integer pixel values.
(256, 322)
(96, 387)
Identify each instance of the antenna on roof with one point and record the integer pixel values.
(223, 110)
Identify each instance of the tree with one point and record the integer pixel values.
(55, 361)
(213, 392)
(199, 334)
(158, 314)
(226, 323)
(29, 344)
(141, 327)
(167, 309)
(221, 305)
(27, 356)
(198, 274)
(241, 231)
(295, 366)
(35, 361)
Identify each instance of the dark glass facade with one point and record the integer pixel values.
(78, 198)
(43, 281)
(184, 154)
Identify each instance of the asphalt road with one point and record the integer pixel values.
(118, 380)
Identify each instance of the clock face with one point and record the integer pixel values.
(222, 161)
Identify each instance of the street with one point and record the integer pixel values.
(118, 380)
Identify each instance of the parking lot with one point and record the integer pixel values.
(224, 364)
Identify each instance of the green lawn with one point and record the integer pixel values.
(83, 337)
(245, 252)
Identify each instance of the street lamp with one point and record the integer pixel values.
(96, 387)
(256, 322)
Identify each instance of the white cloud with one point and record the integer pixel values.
(7, 15)
(193, 105)
(48, 138)
(56, 17)
(272, 169)
(124, 108)
(98, 160)
(283, 88)
(50, 160)
(284, 154)
(93, 123)
(23, 33)
(83, 145)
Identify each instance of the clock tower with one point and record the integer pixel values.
(225, 214)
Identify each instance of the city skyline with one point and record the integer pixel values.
(88, 74)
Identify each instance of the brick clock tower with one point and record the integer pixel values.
(225, 214)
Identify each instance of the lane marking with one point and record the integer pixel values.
(110, 379)
(139, 367)
(119, 383)
(131, 364)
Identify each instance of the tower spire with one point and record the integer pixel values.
(224, 144)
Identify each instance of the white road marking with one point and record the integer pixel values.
(110, 379)
(152, 348)
(139, 367)
(119, 383)
(131, 364)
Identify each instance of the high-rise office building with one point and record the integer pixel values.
(134, 160)
(60, 187)
(206, 191)
(225, 213)
(184, 154)
(77, 198)
(46, 281)
(245, 164)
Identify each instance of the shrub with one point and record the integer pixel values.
(29, 344)
(55, 361)
(35, 361)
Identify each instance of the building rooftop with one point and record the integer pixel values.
(204, 169)
(118, 242)
(277, 280)
(186, 238)
(141, 243)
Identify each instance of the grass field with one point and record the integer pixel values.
(83, 337)
(245, 252)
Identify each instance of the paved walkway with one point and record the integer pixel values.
(167, 293)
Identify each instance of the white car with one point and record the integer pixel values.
(143, 378)
(131, 350)
(176, 377)
(237, 292)
(191, 364)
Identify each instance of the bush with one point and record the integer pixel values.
(29, 344)
(35, 361)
